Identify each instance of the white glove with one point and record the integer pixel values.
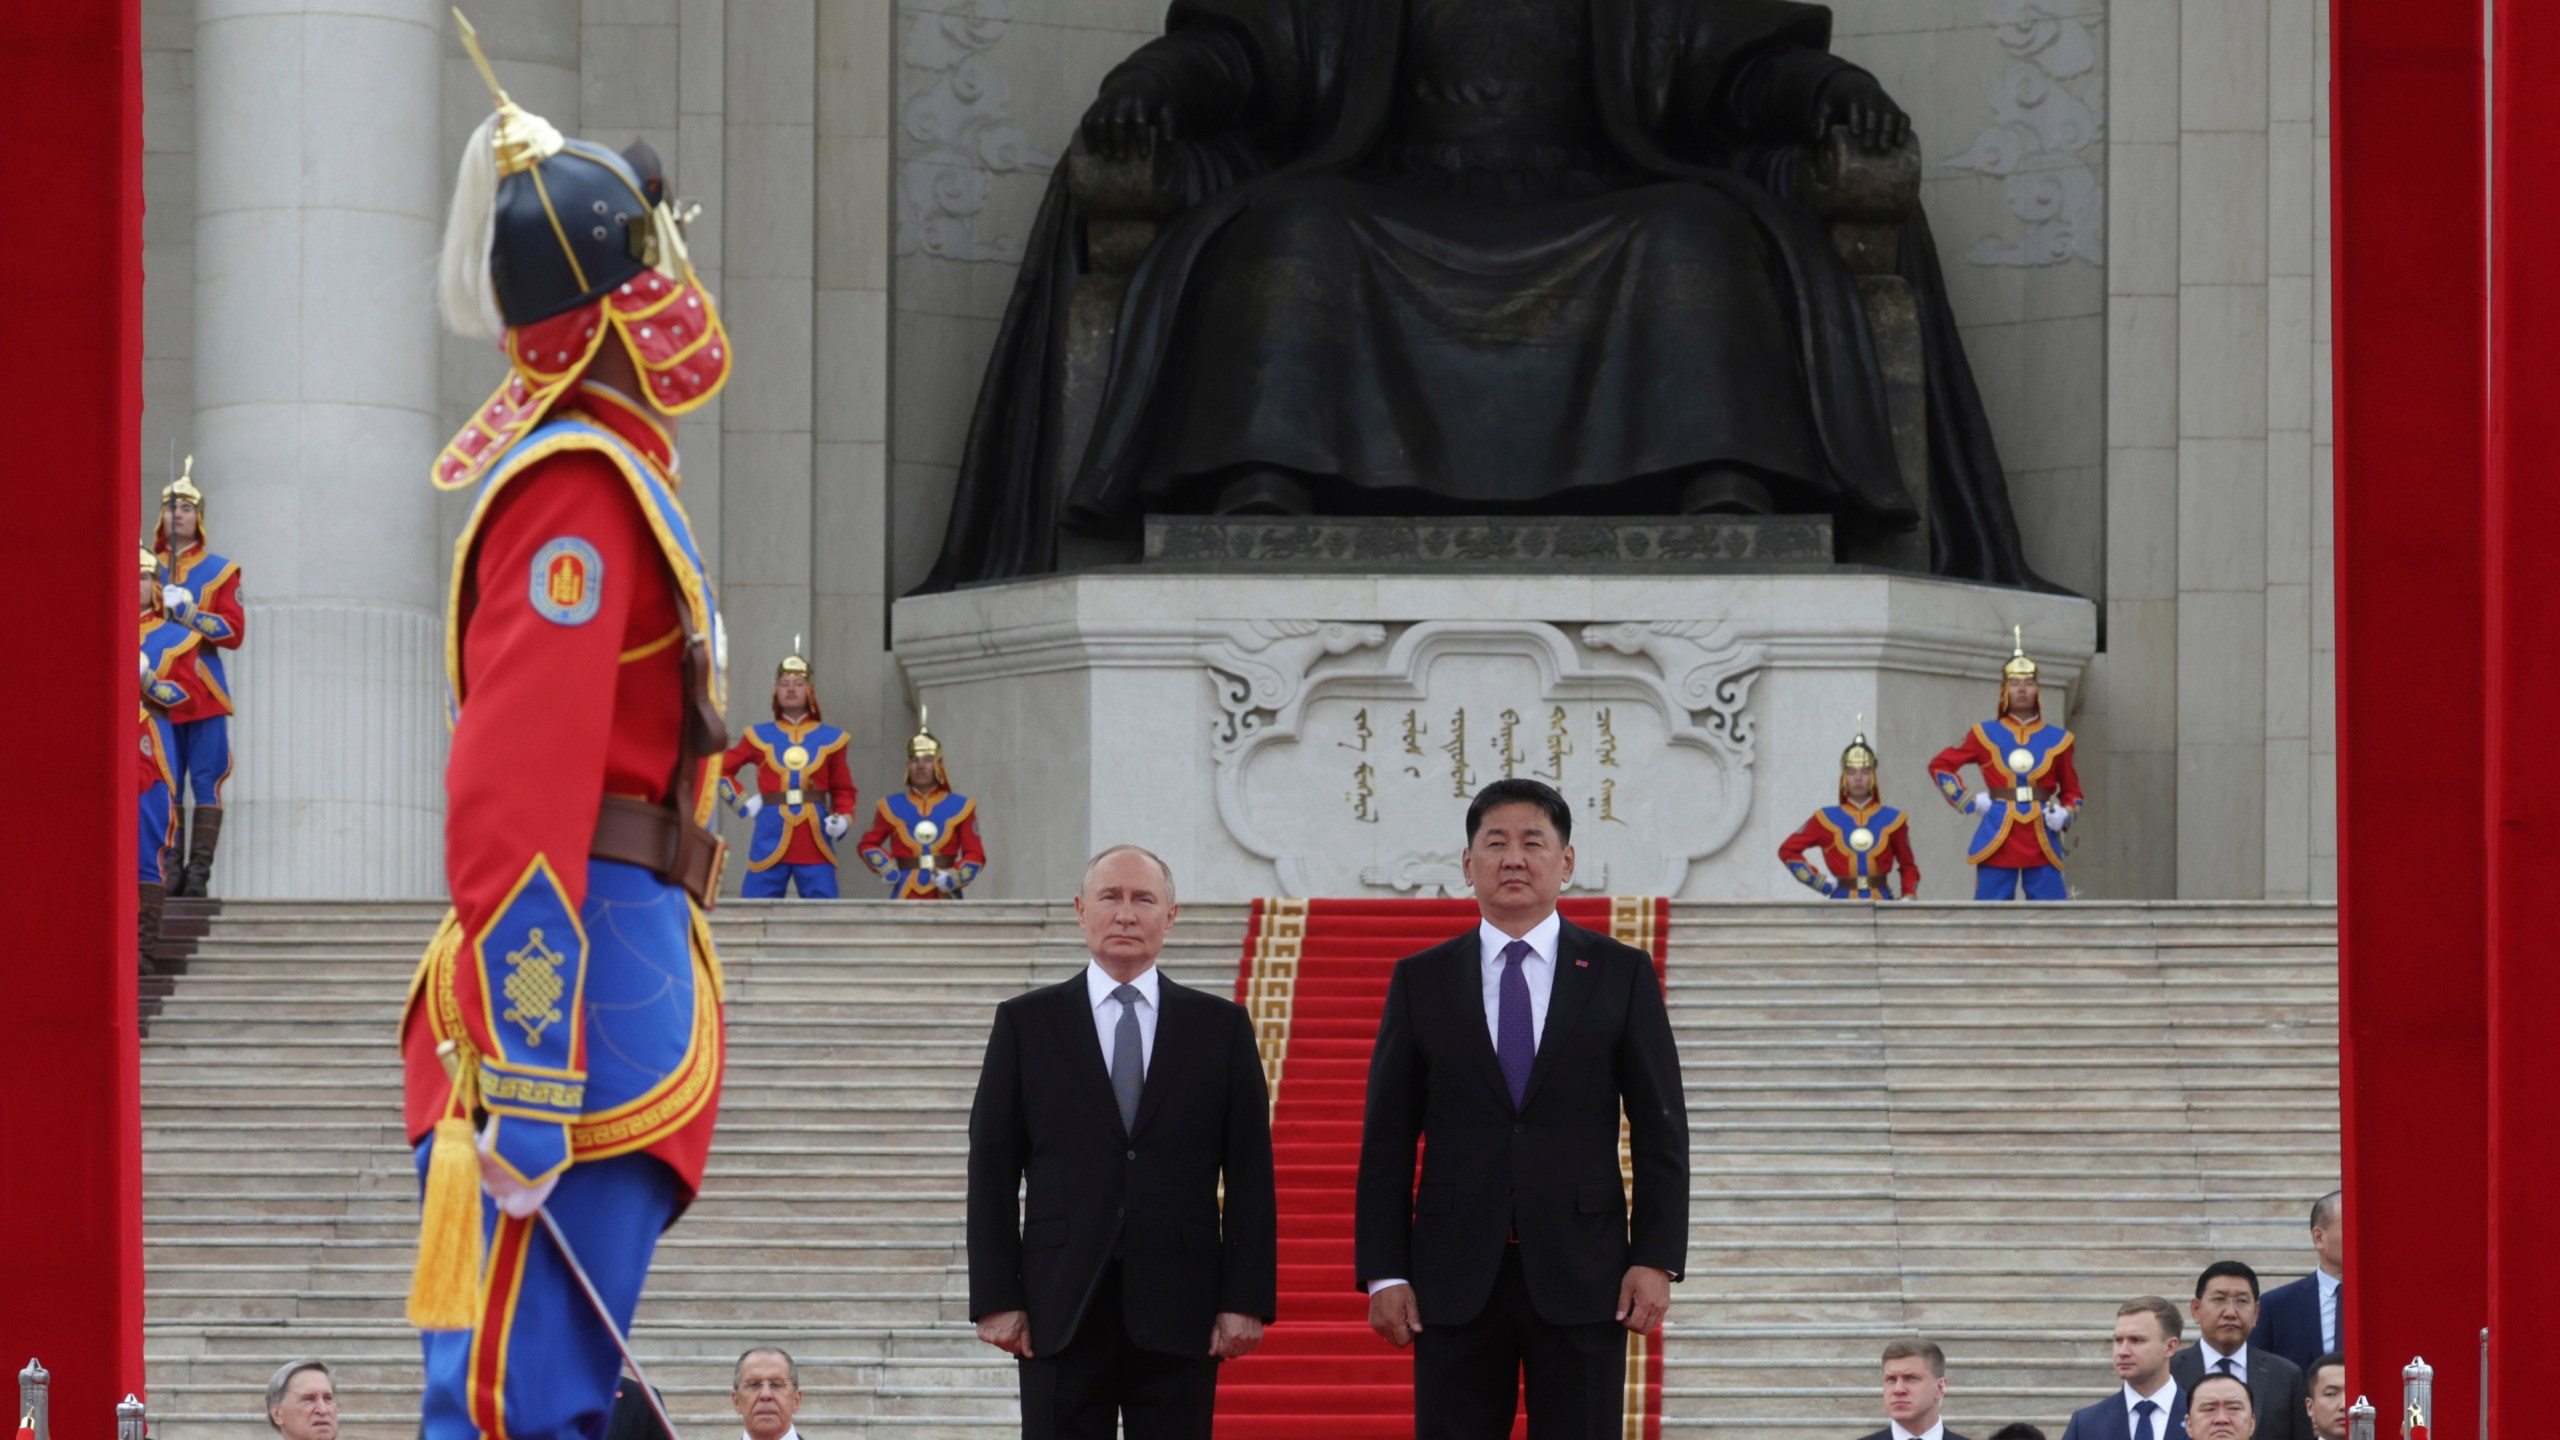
(752, 805)
(516, 1198)
(836, 825)
(1978, 804)
(2056, 815)
(146, 665)
(177, 599)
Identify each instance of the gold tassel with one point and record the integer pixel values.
(444, 1293)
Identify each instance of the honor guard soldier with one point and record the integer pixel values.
(799, 760)
(2031, 794)
(201, 591)
(1861, 841)
(167, 648)
(924, 842)
(569, 1009)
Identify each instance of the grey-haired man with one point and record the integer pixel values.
(302, 1401)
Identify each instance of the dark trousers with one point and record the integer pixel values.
(1101, 1381)
(1467, 1378)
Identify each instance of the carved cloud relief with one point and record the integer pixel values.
(2046, 141)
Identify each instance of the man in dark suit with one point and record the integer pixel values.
(2225, 1311)
(1915, 1391)
(1506, 1054)
(2307, 1319)
(2147, 1405)
(1125, 1100)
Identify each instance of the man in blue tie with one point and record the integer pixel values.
(2306, 1319)
(2147, 1404)
(1505, 1055)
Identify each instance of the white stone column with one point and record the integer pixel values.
(315, 390)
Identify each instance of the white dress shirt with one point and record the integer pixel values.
(2165, 1397)
(791, 1434)
(1936, 1431)
(2213, 1359)
(1098, 986)
(1538, 968)
(2329, 1316)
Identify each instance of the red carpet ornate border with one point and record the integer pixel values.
(1313, 976)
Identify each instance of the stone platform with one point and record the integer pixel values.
(1320, 733)
(1697, 543)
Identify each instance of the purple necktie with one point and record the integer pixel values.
(1518, 1039)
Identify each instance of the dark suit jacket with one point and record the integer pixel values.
(1551, 1166)
(2107, 1419)
(2276, 1390)
(1045, 1112)
(1887, 1434)
(2289, 1323)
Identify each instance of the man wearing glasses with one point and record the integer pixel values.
(766, 1391)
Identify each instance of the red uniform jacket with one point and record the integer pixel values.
(564, 695)
(1892, 852)
(889, 847)
(217, 617)
(804, 840)
(2009, 838)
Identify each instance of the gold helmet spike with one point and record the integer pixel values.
(1859, 755)
(522, 139)
(794, 663)
(2019, 666)
(184, 487)
(924, 744)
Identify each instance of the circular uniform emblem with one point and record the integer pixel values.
(927, 832)
(2022, 760)
(1862, 839)
(567, 584)
(795, 758)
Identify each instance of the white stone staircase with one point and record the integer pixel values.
(1987, 1125)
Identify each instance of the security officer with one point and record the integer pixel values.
(796, 756)
(569, 1010)
(1862, 840)
(924, 843)
(2032, 789)
(200, 590)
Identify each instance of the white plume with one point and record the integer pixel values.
(464, 289)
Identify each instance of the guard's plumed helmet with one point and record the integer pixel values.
(182, 488)
(924, 746)
(1859, 756)
(795, 663)
(551, 245)
(150, 564)
(2019, 666)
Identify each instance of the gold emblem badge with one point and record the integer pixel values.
(2022, 760)
(533, 987)
(926, 833)
(796, 758)
(1862, 839)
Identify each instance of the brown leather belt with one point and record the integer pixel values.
(653, 837)
(2021, 794)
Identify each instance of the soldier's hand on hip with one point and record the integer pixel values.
(752, 806)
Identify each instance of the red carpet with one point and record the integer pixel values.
(1314, 975)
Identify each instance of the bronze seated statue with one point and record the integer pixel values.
(1399, 257)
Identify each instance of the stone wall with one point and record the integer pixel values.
(870, 169)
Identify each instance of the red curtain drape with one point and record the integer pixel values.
(71, 399)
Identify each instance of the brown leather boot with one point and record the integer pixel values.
(147, 907)
(204, 833)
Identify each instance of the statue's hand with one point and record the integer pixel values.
(1854, 99)
(1132, 103)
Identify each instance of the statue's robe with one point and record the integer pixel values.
(1481, 254)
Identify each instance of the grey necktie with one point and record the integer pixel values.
(1128, 1057)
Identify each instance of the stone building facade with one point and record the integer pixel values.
(2129, 194)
